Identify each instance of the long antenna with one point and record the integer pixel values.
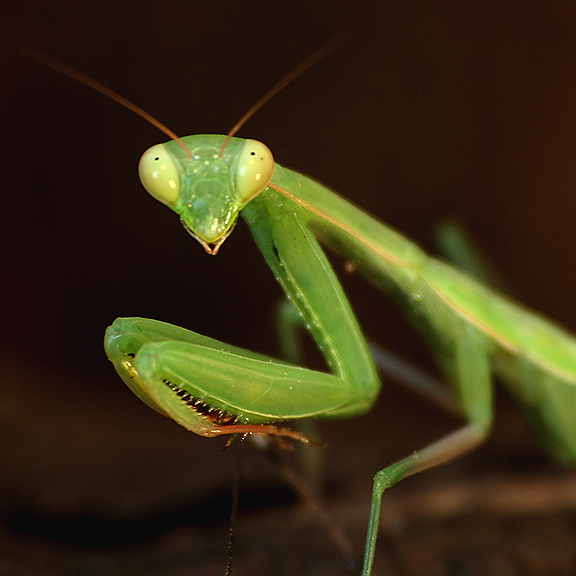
(321, 53)
(66, 70)
(95, 85)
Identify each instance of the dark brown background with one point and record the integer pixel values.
(430, 109)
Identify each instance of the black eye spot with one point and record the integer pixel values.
(157, 158)
(252, 153)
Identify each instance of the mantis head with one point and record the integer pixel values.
(206, 185)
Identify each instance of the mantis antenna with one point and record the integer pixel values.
(298, 71)
(66, 70)
(95, 85)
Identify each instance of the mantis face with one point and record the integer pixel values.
(205, 186)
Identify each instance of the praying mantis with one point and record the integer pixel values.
(212, 388)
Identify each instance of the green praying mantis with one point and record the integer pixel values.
(213, 388)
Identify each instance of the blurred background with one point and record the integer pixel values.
(429, 109)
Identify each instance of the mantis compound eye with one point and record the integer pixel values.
(159, 174)
(254, 169)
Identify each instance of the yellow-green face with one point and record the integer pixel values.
(205, 188)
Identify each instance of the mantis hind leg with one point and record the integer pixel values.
(474, 390)
(415, 379)
(456, 245)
